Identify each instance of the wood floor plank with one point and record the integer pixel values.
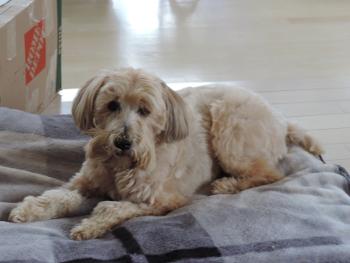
(308, 108)
(332, 136)
(336, 151)
(330, 121)
(308, 95)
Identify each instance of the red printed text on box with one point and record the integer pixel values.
(35, 51)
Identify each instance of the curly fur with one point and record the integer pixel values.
(180, 143)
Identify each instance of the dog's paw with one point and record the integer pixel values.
(31, 209)
(18, 216)
(225, 185)
(85, 232)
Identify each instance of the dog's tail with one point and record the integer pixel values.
(298, 136)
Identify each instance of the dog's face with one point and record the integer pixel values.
(136, 110)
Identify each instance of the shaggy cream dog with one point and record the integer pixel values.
(152, 149)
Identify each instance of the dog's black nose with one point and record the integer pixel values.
(123, 144)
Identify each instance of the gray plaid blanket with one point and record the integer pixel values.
(303, 218)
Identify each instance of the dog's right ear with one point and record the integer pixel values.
(83, 104)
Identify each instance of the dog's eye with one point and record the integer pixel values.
(113, 106)
(143, 111)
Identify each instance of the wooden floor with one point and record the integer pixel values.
(295, 53)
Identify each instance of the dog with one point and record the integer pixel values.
(152, 149)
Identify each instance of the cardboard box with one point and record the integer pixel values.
(29, 54)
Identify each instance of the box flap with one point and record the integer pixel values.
(3, 2)
(11, 9)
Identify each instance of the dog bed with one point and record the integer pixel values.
(303, 218)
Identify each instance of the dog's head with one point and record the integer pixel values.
(136, 109)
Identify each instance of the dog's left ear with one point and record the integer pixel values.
(176, 126)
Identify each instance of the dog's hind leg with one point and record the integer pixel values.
(298, 136)
(247, 139)
(259, 173)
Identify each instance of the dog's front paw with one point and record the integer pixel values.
(18, 216)
(31, 209)
(225, 185)
(86, 231)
